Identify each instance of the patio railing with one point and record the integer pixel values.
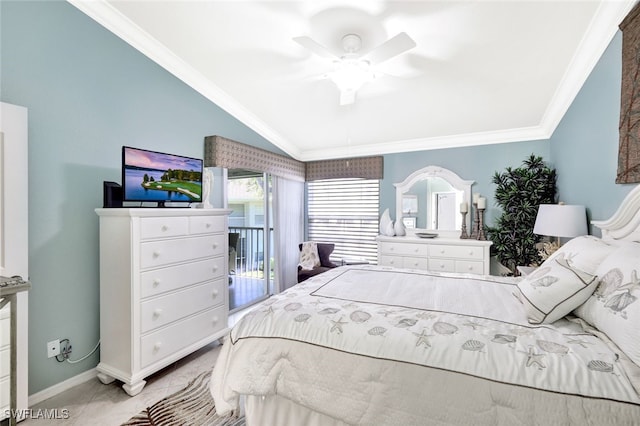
(249, 247)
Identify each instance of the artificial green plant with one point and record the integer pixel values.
(519, 192)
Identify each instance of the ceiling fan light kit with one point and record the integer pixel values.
(352, 71)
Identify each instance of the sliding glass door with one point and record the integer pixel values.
(250, 237)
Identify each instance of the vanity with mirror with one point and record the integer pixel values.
(428, 202)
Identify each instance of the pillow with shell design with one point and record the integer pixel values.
(309, 257)
(614, 308)
(585, 252)
(554, 290)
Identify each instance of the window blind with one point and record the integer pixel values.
(345, 212)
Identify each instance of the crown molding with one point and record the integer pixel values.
(601, 31)
(426, 144)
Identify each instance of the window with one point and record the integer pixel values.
(345, 212)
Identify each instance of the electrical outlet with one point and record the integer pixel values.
(53, 348)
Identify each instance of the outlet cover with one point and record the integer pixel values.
(53, 348)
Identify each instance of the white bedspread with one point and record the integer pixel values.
(383, 326)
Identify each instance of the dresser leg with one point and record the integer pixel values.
(105, 379)
(134, 389)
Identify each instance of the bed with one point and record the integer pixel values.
(370, 345)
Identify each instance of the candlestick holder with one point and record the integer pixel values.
(476, 222)
(463, 234)
(481, 235)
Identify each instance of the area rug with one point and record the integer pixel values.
(191, 406)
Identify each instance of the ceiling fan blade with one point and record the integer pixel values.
(390, 48)
(314, 46)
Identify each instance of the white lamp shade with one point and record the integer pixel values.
(561, 220)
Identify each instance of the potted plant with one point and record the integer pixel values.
(519, 192)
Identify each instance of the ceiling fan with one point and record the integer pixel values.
(352, 69)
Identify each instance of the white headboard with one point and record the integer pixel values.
(625, 222)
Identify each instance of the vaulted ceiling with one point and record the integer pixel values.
(481, 72)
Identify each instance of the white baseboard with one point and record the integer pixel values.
(54, 390)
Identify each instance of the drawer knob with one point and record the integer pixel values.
(156, 254)
(215, 246)
(157, 312)
(214, 293)
(470, 252)
(441, 251)
(156, 282)
(164, 228)
(208, 225)
(157, 346)
(215, 268)
(471, 267)
(442, 266)
(214, 321)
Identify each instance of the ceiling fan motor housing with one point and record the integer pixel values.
(351, 43)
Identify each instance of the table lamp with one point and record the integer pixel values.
(560, 221)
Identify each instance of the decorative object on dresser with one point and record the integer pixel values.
(481, 206)
(519, 192)
(464, 207)
(435, 254)
(386, 224)
(559, 220)
(163, 288)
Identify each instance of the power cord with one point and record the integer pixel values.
(65, 352)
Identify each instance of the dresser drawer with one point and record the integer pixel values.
(159, 227)
(415, 263)
(164, 342)
(158, 253)
(470, 266)
(170, 278)
(442, 265)
(457, 252)
(386, 260)
(404, 249)
(207, 224)
(171, 307)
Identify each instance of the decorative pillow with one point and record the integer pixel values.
(309, 257)
(614, 308)
(584, 253)
(554, 289)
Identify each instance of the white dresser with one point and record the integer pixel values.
(163, 288)
(435, 254)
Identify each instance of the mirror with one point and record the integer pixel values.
(430, 198)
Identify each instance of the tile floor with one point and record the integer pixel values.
(96, 404)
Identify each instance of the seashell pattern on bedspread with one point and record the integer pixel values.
(471, 325)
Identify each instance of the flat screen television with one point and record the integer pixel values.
(150, 176)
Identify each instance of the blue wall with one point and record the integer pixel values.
(88, 93)
(584, 147)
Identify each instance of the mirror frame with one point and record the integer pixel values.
(435, 171)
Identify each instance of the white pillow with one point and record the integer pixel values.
(585, 253)
(309, 257)
(614, 308)
(554, 289)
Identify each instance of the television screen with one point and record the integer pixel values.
(159, 177)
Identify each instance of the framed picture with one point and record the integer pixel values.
(409, 204)
(409, 222)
